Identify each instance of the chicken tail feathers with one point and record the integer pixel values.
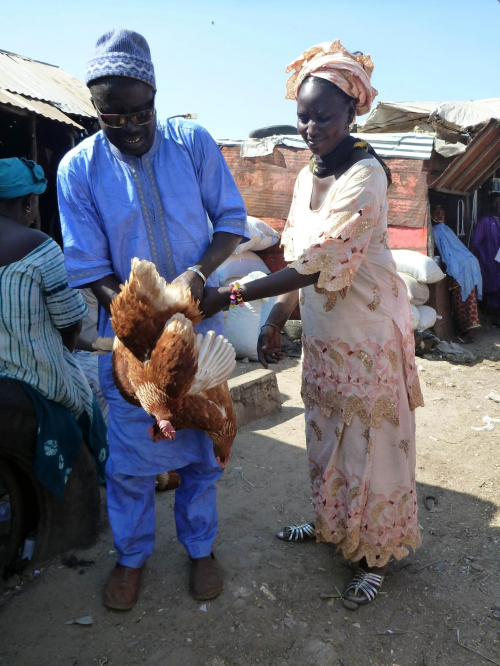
(216, 361)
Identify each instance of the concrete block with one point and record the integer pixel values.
(255, 394)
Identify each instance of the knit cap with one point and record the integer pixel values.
(121, 52)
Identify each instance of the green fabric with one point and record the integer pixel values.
(59, 438)
(19, 177)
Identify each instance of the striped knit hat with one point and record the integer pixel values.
(121, 52)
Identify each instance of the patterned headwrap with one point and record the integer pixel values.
(333, 62)
(19, 177)
(121, 52)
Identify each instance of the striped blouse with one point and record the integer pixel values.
(35, 300)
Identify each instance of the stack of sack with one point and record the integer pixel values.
(243, 324)
(418, 271)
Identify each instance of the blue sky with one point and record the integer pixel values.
(225, 60)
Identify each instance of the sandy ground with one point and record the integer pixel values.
(271, 611)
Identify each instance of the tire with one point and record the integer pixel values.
(61, 525)
(271, 130)
(10, 544)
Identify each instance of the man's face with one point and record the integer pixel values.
(495, 205)
(122, 95)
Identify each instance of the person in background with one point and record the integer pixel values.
(486, 246)
(40, 319)
(138, 189)
(464, 275)
(359, 379)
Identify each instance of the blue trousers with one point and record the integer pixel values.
(131, 471)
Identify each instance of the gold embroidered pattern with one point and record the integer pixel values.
(336, 486)
(369, 443)
(384, 240)
(403, 444)
(315, 353)
(353, 493)
(331, 297)
(365, 225)
(377, 299)
(416, 397)
(302, 298)
(317, 430)
(365, 359)
(393, 359)
(378, 509)
(314, 473)
(395, 288)
(336, 358)
(402, 504)
(332, 402)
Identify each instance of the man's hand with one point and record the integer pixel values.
(192, 281)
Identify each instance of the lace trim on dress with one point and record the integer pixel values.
(346, 380)
(364, 524)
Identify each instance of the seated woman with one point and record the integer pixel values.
(39, 325)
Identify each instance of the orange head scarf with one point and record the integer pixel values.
(333, 62)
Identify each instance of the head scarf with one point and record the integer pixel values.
(333, 62)
(437, 214)
(121, 52)
(19, 177)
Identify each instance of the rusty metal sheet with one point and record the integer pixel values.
(266, 184)
(48, 83)
(35, 106)
(470, 169)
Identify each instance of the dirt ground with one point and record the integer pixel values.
(270, 611)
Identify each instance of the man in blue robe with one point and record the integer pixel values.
(165, 194)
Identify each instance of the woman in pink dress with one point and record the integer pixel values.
(359, 380)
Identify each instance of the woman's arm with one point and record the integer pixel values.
(287, 280)
(70, 335)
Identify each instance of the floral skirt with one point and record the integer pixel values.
(363, 483)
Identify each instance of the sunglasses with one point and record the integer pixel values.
(119, 120)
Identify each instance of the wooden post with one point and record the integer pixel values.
(34, 156)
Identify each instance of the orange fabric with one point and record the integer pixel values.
(351, 73)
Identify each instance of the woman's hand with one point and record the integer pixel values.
(269, 345)
(214, 300)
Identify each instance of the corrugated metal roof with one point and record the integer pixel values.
(469, 170)
(39, 81)
(409, 146)
(35, 106)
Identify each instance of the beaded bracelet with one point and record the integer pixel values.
(235, 297)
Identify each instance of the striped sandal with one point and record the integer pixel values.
(298, 533)
(364, 587)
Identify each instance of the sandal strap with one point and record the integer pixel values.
(299, 532)
(366, 582)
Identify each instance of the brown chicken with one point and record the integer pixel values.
(161, 364)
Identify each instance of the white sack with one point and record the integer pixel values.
(243, 323)
(261, 236)
(418, 292)
(238, 265)
(422, 268)
(415, 317)
(427, 316)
